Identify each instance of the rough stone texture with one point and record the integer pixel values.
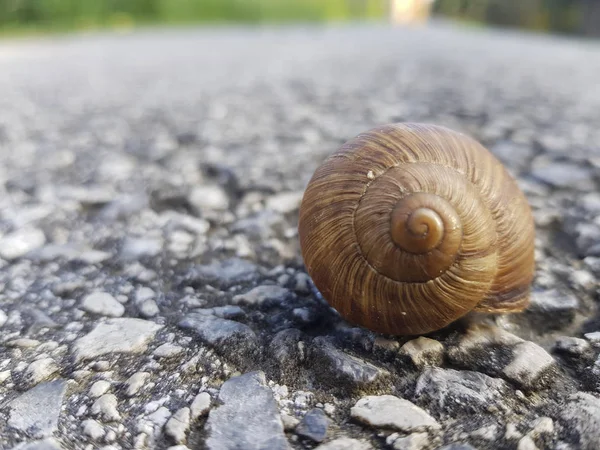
(36, 411)
(200, 405)
(45, 444)
(220, 332)
(40, 370)
(102, 303)
(115, 336)
(225, 273)
(106, 408)
(462, 390)
(313, 425)
(553, 307)
(424, 351)
(248, 417)
(169, 178)
(178, 425)
(21, 242)
(262, 295)
(387, 411)
(414, 441)
(529, 362)
(343, 367)
(581, 417)
(345, 444)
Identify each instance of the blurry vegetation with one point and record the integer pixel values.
(84, 14)
(561, 16)
(564, 16)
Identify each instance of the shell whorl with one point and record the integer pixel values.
(408, 227)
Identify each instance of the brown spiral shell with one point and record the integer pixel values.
(408, 227)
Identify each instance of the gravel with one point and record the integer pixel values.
(102, 303)
(387, 411)
(248, 417)
(128, 336)
(152, 287)
(313, 425)
(36, 411)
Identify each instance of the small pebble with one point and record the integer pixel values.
(167, 351)
(93, 429)
(135, 382)
(178, 425)
(102, 303)
(106, 408)
(200, 406)
(99, 388)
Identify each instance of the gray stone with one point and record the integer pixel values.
(200, 406)
(571, 345)
(45, 444)
(178, 425)
(36, 411)
(388, 411)
(106, 408)
(337, 366)
(261, 295)
(451, 389)
(529, 363)
(527, 443)
(3, 318)
(313, 425)
(285, 202)
(553, 308)
(424, 352)
(160, 416)
(260, 225)
(23, 343)
(414, 441)
(457, 447)
(40, 370)
(289, 422)
(115, 336)
(102, 303)
(135, 248)
(220, 332)
(344, 443)
(486, 433)
(581, 415)
(99, 388)
(478, 348)
(513, 154)
(93, 429)
(587, 236)
(148, 308)
(247, 418)
(287, 347)
(593, 337)
(38, 320)
(542, 426)
(582, 279)
(564, 176)
(225, 274)
(228, 312)
(168, 351)
(207, 198)
(19, 243)
(135, 382)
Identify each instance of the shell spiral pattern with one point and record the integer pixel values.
(408, 227)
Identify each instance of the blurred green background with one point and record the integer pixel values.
(563, 16)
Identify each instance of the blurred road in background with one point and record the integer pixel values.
(149, 192)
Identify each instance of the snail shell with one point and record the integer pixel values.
(408, 227)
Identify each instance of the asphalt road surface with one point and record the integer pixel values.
(152, 288)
